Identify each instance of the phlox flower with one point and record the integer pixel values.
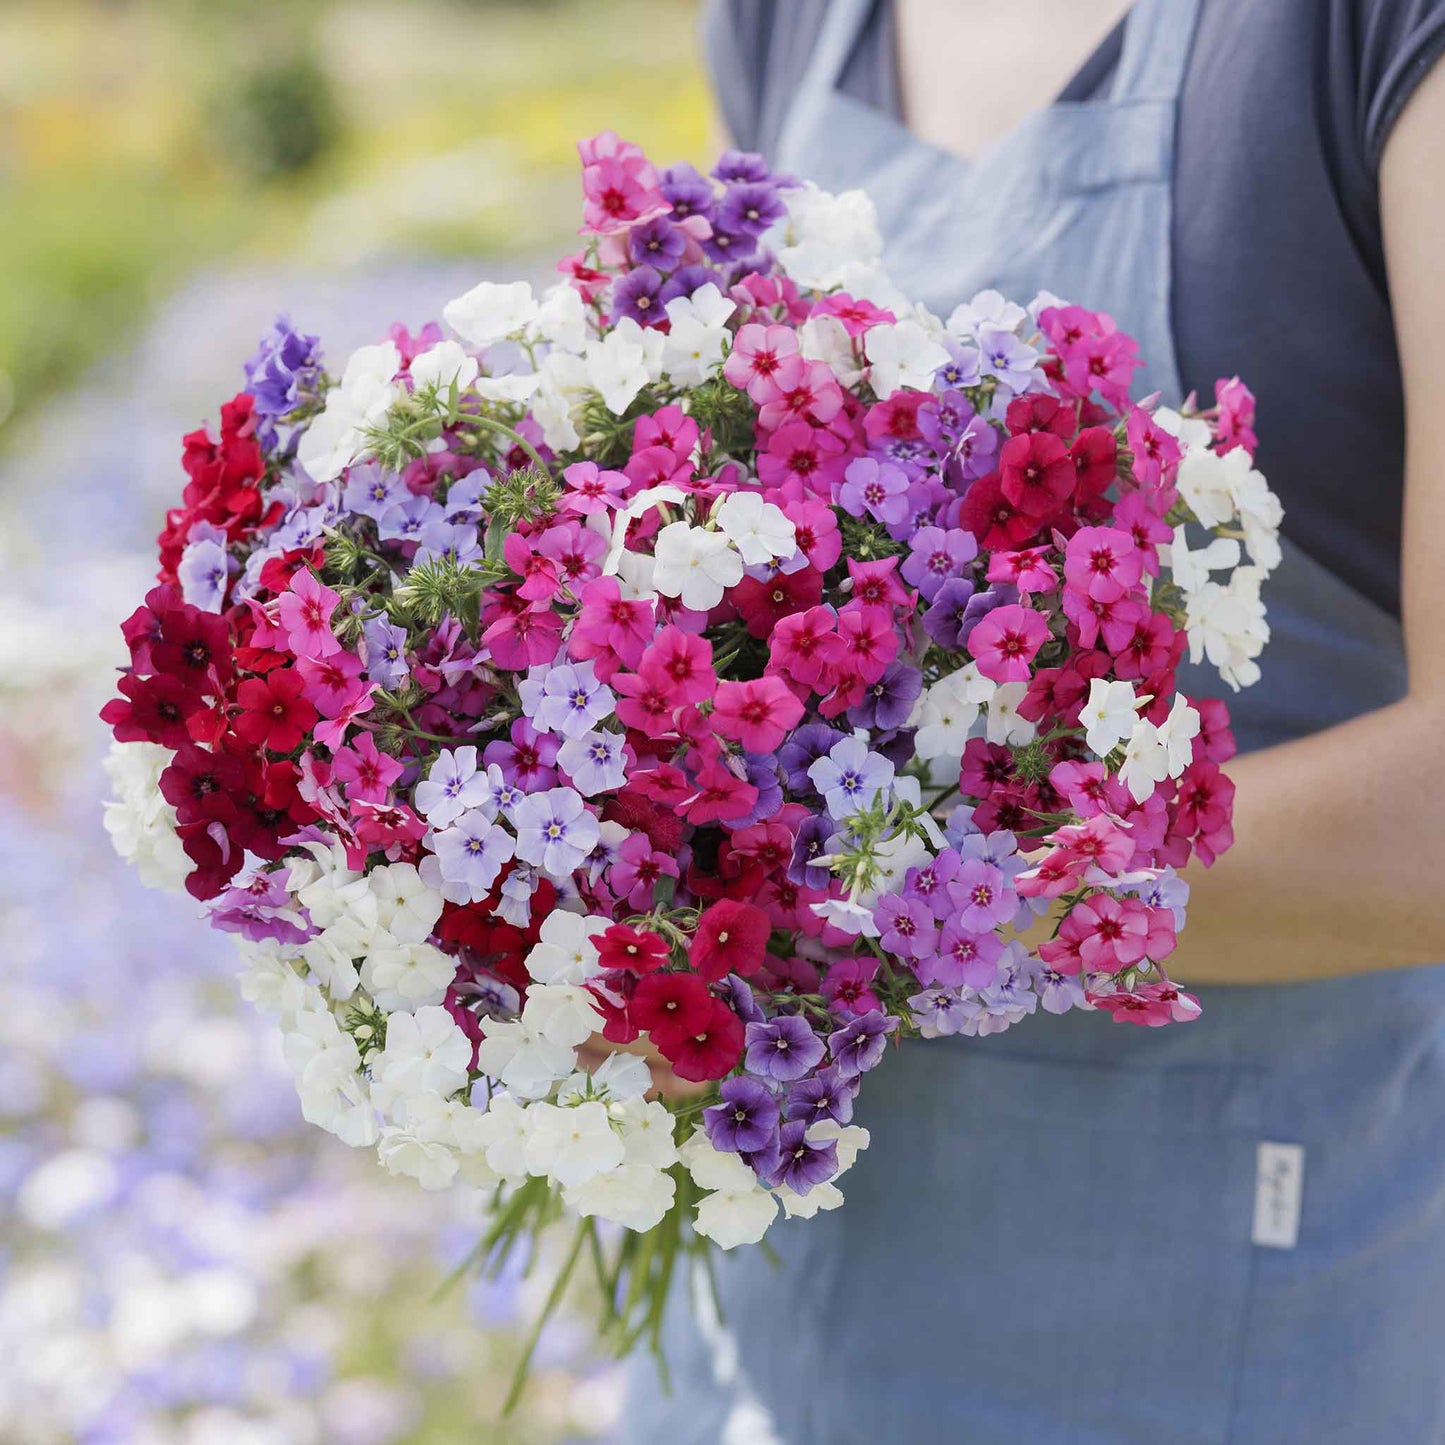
(567, 699)
(783, 1048)
(731, 937)
(981, 895)
(591, 490)
(876, 488)
(1102, 563)
(1149, 1004)
(850, 777)
(758, 713)
(366, 772)
(525, 757)
(517, 640)
(902, 355)
(745, 1121)
(965, 956)
(802, 455)
(1006, 641)
(452, 786)
(848, 987)
(305, 612)
(1109, 715)
(471, 853)
(757, 353)
(935, 556)
(274, 713)
(695, 565)
(555, 830)
(759, 530)
(805, 647)
(490, 311)
(697, 335)
(595, 761)
(638, 868)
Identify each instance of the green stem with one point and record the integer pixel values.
(559, 1288)
(488, 423)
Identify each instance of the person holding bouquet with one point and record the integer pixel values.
(1234, 1231)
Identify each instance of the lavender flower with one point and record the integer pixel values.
(372, 492)
(944, 620)
(824, 1095)
(284, 371)
(657, 243)
(688, 190)
(801, 1164)
(784, 1048)
(568, 699)
(858, 1046)
(746, 1121)
(555, 831)
(749, 208)
(802, 749)
(385, 652)
(471, 854)
(635, 296)
(887, 703)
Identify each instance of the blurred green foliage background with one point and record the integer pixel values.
(142, 139)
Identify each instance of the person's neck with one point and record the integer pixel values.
(969, 71)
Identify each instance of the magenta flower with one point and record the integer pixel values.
(305, 615)
(1102, 563)
(1006, 641)
(758, 714)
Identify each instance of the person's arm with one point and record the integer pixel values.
(1339, 863)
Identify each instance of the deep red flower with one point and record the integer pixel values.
(194, 775)
(731, 937)
(273, 713)
(1036, 473)
(670, 1006)
(763, 605)
(711, 1051)
(142, 629)
(152, 709)
(194, 647)
(1095, 456)
(636, 949)
(1039, 412)
(992, 518)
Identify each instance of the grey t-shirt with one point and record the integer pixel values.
(1278, 261)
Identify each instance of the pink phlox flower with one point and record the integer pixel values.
(1006, 641)
(304, 612)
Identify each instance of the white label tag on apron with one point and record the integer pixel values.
(1278, 1188)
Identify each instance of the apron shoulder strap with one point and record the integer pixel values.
(1158, 35)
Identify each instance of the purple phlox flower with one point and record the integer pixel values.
(729, 247)
(964, 366)
(635, 295)
(471, 854)
(887, 703)
(906, 926)
(961, 826)
(936, 556)
(929, 884)
(1059, 992)
(659, 243)
(858, 1046)
(803, 1164)
(964, 956)
(981, 895)
(740, 999)
(483, 993)
(261, 909)
(284, 370)
(595, 761)
(823, 1095)
(688, 279)
(527, 758)
(203, 571)
(945, 616)
(878, 488)
(688, 190)
(385, 652)
(405, 520)
(746, 1121)
(811, 842)
(458, 541)
(783, 1048)
(452, 786)
(761, 772)
(735, 165)
(976, 448)
(749, 208)
(802, 749)
(1168, 890)
(566, 699)
(998, 594)
(1004, 356)
(555, 830)
(851, 776)
(464, 499)
(372, 492)
(941, 1012)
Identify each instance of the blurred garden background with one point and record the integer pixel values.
(182, 1260)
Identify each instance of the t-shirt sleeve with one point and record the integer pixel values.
(1397, 44)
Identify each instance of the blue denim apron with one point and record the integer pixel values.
(1052, 1239)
